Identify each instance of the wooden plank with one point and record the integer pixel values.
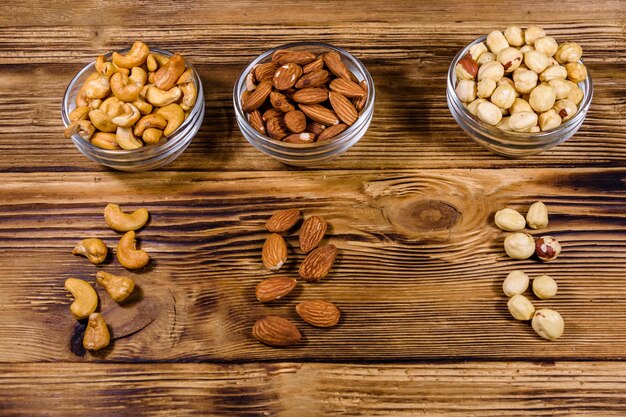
(418, 276)
(303, 390)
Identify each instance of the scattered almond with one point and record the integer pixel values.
(274, 252)
(283, 220)
(276, 331)
(274, 288)
(312, 232)
(319, 313)
(318, 263)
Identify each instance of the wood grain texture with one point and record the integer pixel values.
(308, 390)
(418, 275)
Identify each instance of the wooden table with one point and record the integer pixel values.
(425, 327)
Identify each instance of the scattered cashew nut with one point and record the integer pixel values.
(119, 221)
(118, 287)
(126, 139)
(85, 297)
(134, 58)
(84, 128)
(174, 115)
(127, 253)
(165, 78)
(97, 335)
(129, 117)
(93, 249)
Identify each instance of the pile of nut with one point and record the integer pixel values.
(300, 97)
(97, 335)
(277, 331)
(547, 323)
(137, 99)
(522, 81)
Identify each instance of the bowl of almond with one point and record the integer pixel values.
(304, 103)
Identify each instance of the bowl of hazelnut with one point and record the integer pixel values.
(519, 92)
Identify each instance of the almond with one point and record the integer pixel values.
(271, 114)
(274, 252)
(277, 54)
(320, 114)
(295, 121)
(250, 81)
(359, 103)
(313, 79)
(244, 97)
(283, 220)
(265, 72)
(276, 128)
(257, 97)
(295, 57)
(276, 331)
(280, 102)
(319, 313)
(344, 109)
(347, 88)
(286, 76)
(316, 65)
(312, 232)
(331, 131)
(335, 65)
(272, 289)
(318, 263)
(256, 121)
(310, 96)
(315, 128)
(300, 138)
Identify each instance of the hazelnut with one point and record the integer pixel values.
(485, 88)
(520, 307)
(576, 94)
(473, 106)
(485, 58)
(515, 283)
(496, 41)
(526, 48)
(489, 113)
(467, 68)
(504, 125)
(466, 91)
(542, 98)
(475, 51)
(525, 80)
(548, 324)
(493, 70)
(514, 35)
(504, 96)
(536, 61)
(519, 104)
(546, 45)
(565, 108)
(544, 287)
(533, 33)
(576, 72)
(569, 52)
(553, 72)
(561, 87)
(519, 245)
(537, 216)
(509, 220)
(547, 248)
(523, 121)
(549, 120)
(505, 80)
(510, 58)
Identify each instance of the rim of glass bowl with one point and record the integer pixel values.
(369, 104)
(173, 139)
(518, 138)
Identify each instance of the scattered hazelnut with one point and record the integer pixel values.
(537, 216)
(544, 287)
(509, 220)
(548, 324)
(515, 283)
(547, 248)
(519, 245)
(520, 307)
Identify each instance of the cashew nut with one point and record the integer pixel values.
(94, 249)
(97, 334)
(81, 96)
(135, 57)
(165, 78)
(161, 98)
(128, 118)
(105, 141)
(148, 121)
(174, 115)
(123, 88)
(189, 95)
(128, 255)
(152, 136)
(143, 106)
(79, 113)
(161, 59)
(102, 121)
(85, 297)
(187, 77)
(100, 61)
(95, 104)
(112, 106)
(97, 88)
(126, 139)
(119, 221)
(84, 129)
(152, 63)
(118, 287)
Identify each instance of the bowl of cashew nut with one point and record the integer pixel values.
(134, 110)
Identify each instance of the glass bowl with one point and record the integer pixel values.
(512, 144)
(308, 154)
(148, 157)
